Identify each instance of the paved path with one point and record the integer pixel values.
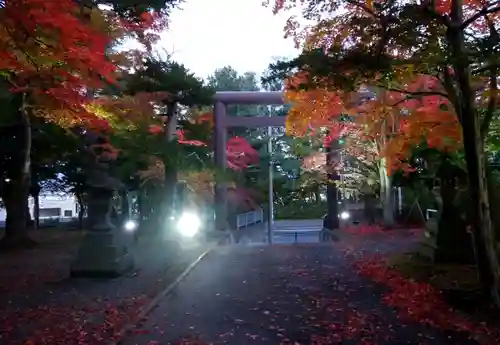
(284, 232)
(297, 231)
(280, 294)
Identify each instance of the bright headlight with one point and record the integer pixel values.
(188, 224)
(130, 225)
(344, 215)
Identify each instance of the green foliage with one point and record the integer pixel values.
(138, 146)
(286, 166)
(228, 79)
(180, 85)
(301, 210)
(492, 138)
(52, 148)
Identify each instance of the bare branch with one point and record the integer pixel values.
(489, 8)
(417, 93)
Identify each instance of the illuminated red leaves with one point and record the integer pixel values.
(420, 302)
(83, 323)
(98, 125)
(240, 154)
(54, 50)
(51, 52)
(182, 140)
(415, 301)
(442, 6)
(59, 41)
(205, 118)
(155, 129)
(180, 134)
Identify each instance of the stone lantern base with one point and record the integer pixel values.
(102, 254)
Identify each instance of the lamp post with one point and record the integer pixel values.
(270, 202)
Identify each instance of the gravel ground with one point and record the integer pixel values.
(280, 294)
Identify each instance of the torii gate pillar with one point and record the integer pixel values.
(222, 122)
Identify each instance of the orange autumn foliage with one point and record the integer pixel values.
(311, 109)
(384, 124)
(204, 118)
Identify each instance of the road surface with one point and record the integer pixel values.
(284, 232)
(279, 294)
(297, 231)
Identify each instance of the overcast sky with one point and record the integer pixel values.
(209, 34)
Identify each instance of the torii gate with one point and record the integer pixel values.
(223, 122)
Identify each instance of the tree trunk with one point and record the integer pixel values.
(386, 195)
(16, 192)
(36, 209)
(494, 199)
(453, 244)
(484, 239)
(126, 213)
(332, 219)
(369, 205)
(16, 205)
(81, 208)
(482, 227)
(169, 169)
(317, 195)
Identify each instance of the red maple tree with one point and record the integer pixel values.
(54, 52)
(240, 154)
(48, 51)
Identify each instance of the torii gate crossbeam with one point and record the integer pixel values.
(223, 122)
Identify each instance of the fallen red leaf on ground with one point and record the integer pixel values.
(62, 325)
(420, 302)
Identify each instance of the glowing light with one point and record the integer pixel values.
(344, 215)
(188, 224)
(130, 225)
